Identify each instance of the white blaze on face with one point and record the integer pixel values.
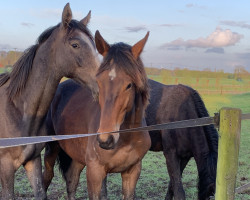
(112, 74)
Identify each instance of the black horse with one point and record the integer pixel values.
(170, 103)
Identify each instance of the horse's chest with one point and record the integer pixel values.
(123, 160)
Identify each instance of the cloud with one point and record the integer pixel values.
(245, 56)
(135, 28)
(217, 39)
(170, 25)
(174, 48)
(27, 24)
(190, 5)
(240, 24)
(215, 50)
(5, 47)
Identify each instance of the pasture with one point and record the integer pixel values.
(67, 50)
(154, 179)
(207, 83)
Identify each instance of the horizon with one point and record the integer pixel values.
(191, 34)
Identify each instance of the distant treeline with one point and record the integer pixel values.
(8, 59)
(239, 73)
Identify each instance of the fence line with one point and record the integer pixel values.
(207, 86)
(229, 122)
(19, 141)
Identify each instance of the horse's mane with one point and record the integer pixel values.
(121, 55)
(22, 68)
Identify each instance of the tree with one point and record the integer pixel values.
(240, 72)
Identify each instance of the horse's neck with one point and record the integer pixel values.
(35, 99)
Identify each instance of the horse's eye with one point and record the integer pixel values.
(75, 46)
(129, 86)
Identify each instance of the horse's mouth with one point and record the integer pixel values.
(107, 145)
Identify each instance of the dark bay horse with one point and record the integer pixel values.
(175, 103)
(123, 97)
(167, 104)
(66, 49)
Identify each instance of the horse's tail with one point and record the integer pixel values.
(64, 162)
(207, 175)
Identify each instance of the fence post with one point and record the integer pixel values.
(228, 153)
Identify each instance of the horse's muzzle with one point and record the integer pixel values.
(109, 144)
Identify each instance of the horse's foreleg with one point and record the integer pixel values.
(34, 172)
(95, 176)
(129, 180)
(72, 178)
(7, 175)
(175, 186)
(51, 152)
(170, 193)
(104, 193)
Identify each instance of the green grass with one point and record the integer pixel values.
(2, 70)
(206, 85)
(153, 182)
(214, 103)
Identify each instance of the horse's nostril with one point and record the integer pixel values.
(108, 144)
(110, 140)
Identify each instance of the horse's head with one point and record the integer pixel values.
(120, 77)
(74, 50)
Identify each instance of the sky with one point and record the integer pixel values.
(191, 34)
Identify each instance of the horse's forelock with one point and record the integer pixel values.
(120, 54)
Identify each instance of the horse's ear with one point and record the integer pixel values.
(101, 45)
(138, 47)
(86, 19)
(66, 16)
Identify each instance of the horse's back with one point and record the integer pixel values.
(66, 111)
(169, 103)
(70, 113)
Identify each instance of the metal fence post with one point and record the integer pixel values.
(228, 153)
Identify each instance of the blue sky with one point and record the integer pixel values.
(194, 34)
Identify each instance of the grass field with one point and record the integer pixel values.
(1, 70)
(154, 179)
(208, 85)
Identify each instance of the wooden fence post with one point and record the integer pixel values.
(228, 153)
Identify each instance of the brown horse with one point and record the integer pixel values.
(66, 49)
(170, 103)
(123, 97)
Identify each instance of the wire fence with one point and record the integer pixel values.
(228, 121)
